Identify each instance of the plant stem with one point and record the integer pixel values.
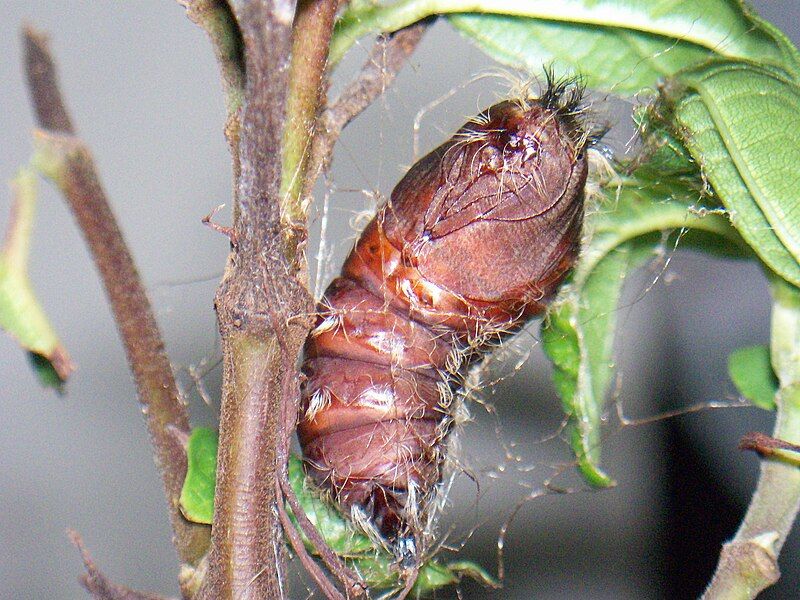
(311, 36)
(217, 20)
(259, 302)
(767, 445)
(247, 558)
(51, 112)
(65, 158)
(263, 307)
(749, 563)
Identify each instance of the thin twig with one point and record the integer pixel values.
(352, 582)
(217, 20)
(411, 576)
(97, 584)
(308, 562)
(228, 232)
(51, 114)
(66, 159)
(766, 445)
(311, 36)
(389, 54)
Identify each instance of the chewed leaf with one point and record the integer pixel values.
(197, 495)
(740, 122)
(751, 371)
(21, 315)
(373, 563)
(620, 45)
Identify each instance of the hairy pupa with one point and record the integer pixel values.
(474, 242)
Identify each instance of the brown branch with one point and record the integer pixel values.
(97, 584)
(67, 160)
(266, 32)
(247, 557)
(766, 445)
(51, 114)
(387, 57)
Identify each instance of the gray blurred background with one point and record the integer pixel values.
(143, 87)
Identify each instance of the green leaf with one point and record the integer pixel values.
(21, 315)
(751, 372)
(578, 337)
(562, 346)
(624, 231)
(45, 372)
(338, 532)
(643, 206)
(620, 45)
(741, 124)
(197, 495)
(372, 562)
(618, 60)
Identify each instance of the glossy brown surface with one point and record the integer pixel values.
(474, 242)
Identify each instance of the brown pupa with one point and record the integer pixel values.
(473, 243)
